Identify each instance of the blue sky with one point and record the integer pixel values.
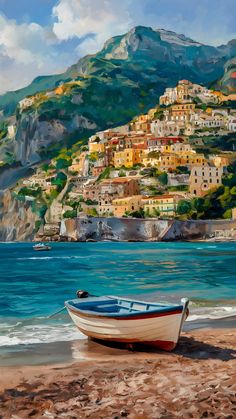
(46, 36)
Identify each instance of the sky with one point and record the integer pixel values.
(40, 37)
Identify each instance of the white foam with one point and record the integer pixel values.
(53, 257)
(211, 313)
(32, 334)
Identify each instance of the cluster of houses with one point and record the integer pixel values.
(158, 139)
(121, 196)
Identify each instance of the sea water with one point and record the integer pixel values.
(33, 285)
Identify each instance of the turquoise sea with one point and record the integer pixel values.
(34, 285)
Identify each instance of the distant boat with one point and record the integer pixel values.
(42, 247)
(117, 319)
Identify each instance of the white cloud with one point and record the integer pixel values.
(103, 19)
(81, 27)
(27, 50)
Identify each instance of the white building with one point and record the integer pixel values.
(164, 128)
(169, 97)
(210, 122)
(232, 124)
(26, 103)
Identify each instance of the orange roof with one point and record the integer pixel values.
(184, 81)
(141, 146)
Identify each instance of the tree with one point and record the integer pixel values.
(137, 214)
(25, 191)
(92, 212)
(63, 163)
(198, 204)
(184, 207)
(182, 169)
(45, 167)
(42, 211)
(163, 178)
(104, 175)
(70, 214)
(60, 181)
(227, 214)
(154, 155)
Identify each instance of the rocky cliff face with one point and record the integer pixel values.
(134, 229)
(17, 221)
(34, 135)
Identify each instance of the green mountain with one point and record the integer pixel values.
(227, 83)
(159, 52)
(106, 89)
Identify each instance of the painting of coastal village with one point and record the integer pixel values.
(117, 209)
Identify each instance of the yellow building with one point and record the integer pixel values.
(183, 91)
(161, 205)
(95, 147)
(168, 161)
(202, 179)
(191, 159)
(121, 206)
(166, 148)
(182, 112)
(129, 157)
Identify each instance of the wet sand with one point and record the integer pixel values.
(197, 380)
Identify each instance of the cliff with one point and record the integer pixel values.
(134, 229)
(17, 221)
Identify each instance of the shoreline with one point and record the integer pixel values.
(197, 377)
(68, 351)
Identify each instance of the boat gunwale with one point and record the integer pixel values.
(161, 310)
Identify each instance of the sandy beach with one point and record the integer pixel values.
(197, 380)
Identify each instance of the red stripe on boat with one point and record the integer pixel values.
(128, 317)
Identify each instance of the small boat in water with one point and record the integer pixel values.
(42, 247)
(111, 318)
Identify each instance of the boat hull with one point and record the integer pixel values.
(159, 330)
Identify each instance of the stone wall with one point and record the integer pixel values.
(134, 229)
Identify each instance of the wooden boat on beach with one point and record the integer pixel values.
(111, 318)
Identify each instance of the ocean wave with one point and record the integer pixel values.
(211, 313)
(34, 334)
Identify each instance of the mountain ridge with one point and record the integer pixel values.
(9, 100)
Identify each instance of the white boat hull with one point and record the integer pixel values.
(160, 330)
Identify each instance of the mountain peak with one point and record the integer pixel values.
(173, 37)
(143, 39)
